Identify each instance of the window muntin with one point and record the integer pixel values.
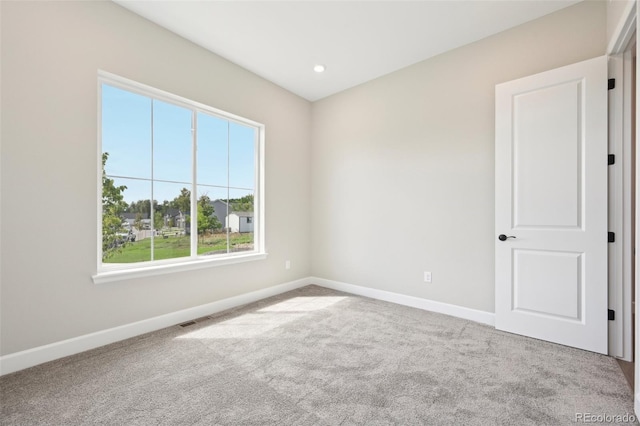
(199, 165)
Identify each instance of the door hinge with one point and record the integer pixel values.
(612, 315)
(612, 83)
(611, 159)
(611, 237)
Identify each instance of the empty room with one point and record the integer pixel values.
(318, 212)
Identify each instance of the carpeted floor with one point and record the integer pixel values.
(314, 356)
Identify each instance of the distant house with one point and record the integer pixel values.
(220, 210)
(240, 222)
(130, 219)
(175, 217)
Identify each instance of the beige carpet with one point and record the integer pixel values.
(318, 357)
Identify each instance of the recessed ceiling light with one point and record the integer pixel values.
(319, 68)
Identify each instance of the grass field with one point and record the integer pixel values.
(179, 246)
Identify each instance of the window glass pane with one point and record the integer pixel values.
(131, 241)
(126, 132)
(171, 221)
(241, 156)
(212, 150)
(148, 174)
(212, 212)
(240, 221)
(172, 143)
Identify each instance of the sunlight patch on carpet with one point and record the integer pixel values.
(258, 323)
(243, 327)
(303, 304)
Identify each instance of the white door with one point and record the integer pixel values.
(551, 205)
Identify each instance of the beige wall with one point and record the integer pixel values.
(50, 56)
(403, 166)
(616, 12)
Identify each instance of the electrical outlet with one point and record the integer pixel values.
(287, 264)
(427, 277)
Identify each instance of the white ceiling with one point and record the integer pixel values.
(357, 41)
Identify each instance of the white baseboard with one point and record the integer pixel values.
(31, 357)
(41, 354)
(412, 301)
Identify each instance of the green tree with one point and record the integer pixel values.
(243, 204)
(113, 205)
(158, 220)
(143, 207)
(183, 201)
(164, 208)
(138, 221)
(207, 220)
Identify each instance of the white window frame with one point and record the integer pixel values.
(107, 272)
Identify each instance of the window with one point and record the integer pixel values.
(176, 178)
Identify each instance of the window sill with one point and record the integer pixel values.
(114, 274)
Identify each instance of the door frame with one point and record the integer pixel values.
(620, 254)
(623, 39)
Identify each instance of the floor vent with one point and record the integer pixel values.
(187, 324)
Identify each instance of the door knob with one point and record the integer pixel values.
(503, 237)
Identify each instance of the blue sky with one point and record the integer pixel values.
(127, 137)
